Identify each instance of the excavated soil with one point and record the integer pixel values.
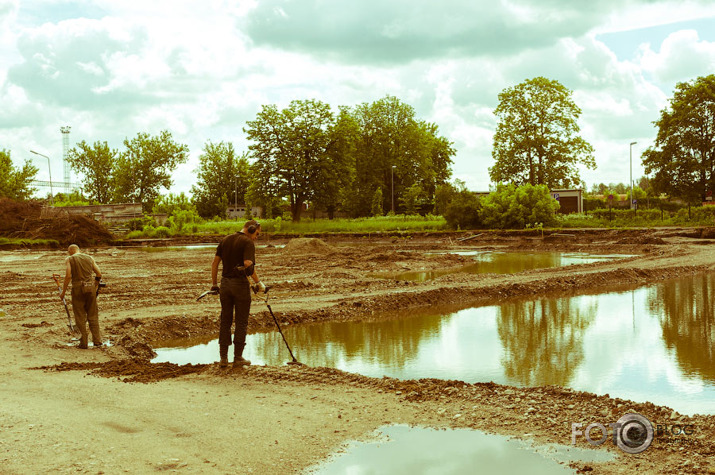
(21, 219)
(109, 410)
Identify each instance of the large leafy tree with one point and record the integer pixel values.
(537, 138)
(16, 183)
(390, 136)
(339, 169)
(96, 163)
(683, 155)
(222, 178)
(291, 151)
(146, 166)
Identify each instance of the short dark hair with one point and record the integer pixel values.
(252, 226)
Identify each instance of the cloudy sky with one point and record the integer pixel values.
(111, 68)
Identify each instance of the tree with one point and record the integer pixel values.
(171, 203)
(291, 151)
(512, 207)
(339, 171)
(377, 203)
(221, 179)
(412, 198)
(390, 135)
(146, 166)
(96, 163)
(683, 155)
(537, 137)
(15, 183)
(463, 210)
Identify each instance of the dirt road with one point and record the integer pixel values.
(108, 410)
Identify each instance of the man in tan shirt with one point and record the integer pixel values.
(79, 268)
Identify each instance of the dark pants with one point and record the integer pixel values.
(235, 294)
(84, 306)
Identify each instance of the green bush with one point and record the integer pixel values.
(162, 232)
(463, 211)
(512, 207)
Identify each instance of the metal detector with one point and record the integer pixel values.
(56, 278)
(208, 292)
(265, 299)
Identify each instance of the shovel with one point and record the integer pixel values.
(56, 278)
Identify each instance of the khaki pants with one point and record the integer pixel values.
(84, 305)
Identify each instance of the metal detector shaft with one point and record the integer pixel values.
(295, 361)
(208, 292)
(56, 278)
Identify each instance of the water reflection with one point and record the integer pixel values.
(409, 450)
(543, 339)
(685, 310)
(648, 344)
(503, 263)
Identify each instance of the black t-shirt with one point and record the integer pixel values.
(233, 250)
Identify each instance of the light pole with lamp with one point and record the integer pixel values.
(393, 189)
(631, 164)
(49, 170)
(235, 206)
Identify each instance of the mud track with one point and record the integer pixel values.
(295, 416)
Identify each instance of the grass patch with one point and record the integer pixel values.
(399, 223)
(21, 242)
(359, 225)
(620, 218)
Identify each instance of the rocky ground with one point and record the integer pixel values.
(109, 410)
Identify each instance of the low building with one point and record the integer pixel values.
(114, 213)
(571, 200)
(235, 212)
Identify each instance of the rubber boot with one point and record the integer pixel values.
(223, 353)
(238, 359)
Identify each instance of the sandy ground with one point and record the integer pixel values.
(109, 410)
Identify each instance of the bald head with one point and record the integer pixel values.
(73, 249)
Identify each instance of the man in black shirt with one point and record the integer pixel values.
(238, 254)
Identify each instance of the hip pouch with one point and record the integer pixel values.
(87, 287)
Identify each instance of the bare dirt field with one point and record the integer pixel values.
(109, 410)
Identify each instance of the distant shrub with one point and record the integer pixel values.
(463, 211)
(512, 207)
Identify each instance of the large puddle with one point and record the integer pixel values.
(408, 450)
(653, 343)
(503, 263)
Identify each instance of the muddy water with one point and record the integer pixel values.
(407, 450)
(653, 343)
(503, 263)
(15, 256)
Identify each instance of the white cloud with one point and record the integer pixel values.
(113, 69)
(681, 57)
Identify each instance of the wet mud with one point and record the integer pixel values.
(151, 297)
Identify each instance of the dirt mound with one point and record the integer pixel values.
(22, 220)
(307, 246)
(14, 214)
(641, 240)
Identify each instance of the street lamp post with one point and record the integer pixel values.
(49, 170)
(393, 189)
(631, 165)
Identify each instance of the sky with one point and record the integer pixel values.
(111, 69)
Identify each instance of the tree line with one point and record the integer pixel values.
(368, 159)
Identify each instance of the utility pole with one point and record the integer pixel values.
(631, 163)
(393, 189)
(65, 150)
(49, 170)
